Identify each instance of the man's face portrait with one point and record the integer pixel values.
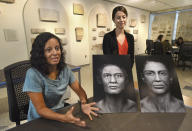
(156, 77)
(113, 79)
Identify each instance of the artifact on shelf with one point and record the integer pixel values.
(37, 30)
(8, 1)
(101, 20)
(10, 35)
(49, 15)
(94, 38)
(135, 31)
(127, 30)
(143, 18)
(78, 9)
(60, 31)
(101, 33)
(108, 29)
(94, 29)
(79, 33)
(133, 23)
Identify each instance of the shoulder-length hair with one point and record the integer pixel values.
(38, 60)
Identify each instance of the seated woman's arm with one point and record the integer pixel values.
(39, 103)
(86, 108)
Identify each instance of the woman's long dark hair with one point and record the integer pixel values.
(38, 60)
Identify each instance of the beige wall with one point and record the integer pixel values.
(11, 18)
(78, 53)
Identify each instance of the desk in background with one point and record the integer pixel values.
(175, 53)
(78, 70)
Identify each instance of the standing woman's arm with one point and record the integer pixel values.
(131, 51)
(106, 45)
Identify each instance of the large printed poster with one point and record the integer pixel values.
(113, 84)
(158, 84)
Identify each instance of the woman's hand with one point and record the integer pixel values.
(72, 119)
(88, 109)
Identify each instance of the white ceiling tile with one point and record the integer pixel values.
(155, 5)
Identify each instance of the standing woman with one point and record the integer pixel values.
(119, 42)
(47, 80)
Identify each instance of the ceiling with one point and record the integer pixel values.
(156, 5)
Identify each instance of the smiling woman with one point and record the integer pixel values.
(119, 41)
(46, 82)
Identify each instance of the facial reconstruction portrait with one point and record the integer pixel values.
(113, 84)
(158, 84)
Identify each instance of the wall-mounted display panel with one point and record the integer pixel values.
(49, 15)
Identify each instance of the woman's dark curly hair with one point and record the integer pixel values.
(38, 60)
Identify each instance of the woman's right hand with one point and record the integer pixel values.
(72, 119)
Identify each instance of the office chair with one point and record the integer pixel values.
(18, 101)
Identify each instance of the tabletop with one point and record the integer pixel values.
(116, 122)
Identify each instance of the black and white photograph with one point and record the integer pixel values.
(113, 84)
(158, 84)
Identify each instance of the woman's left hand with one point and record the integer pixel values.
(88, 109)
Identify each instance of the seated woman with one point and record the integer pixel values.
(179, 41)
(158, 47)
(47, 80)
(166, 47)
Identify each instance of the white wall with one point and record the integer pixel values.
(78, 53)
(11, 18)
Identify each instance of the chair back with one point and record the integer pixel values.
(17, 99)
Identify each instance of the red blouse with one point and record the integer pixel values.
(123, 49)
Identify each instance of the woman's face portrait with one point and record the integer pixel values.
(156, 77)
(120, 19)
(52, 51)
(113, 79)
